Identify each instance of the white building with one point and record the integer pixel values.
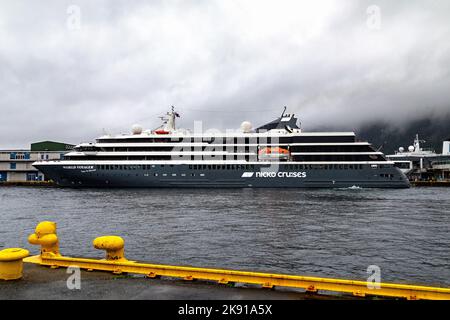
(16, 165)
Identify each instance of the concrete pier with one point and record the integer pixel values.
(41, 282)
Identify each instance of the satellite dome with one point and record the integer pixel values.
(401, 149)
(410, 148)
(136, 129)
(246, 126)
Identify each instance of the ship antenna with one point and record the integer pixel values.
(282, 115)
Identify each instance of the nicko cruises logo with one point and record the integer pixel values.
(273, 174)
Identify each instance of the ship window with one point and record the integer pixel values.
(209, 167)
(190, 166)
(155, 174)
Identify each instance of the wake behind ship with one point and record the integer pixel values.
(276, 155)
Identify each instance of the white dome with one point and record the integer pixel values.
(410, 148)
(136, 129)
(246, 126)
(401, 149)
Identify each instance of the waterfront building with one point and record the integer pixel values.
(16, 165)
(422, 163)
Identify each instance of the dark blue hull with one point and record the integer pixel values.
(212, 176)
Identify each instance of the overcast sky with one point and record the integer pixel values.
(69, 69)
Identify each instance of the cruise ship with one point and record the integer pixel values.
(275, 155)
(422, 163)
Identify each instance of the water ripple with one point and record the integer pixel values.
(334, 233)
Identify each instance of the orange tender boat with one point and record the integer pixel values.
(275, 153)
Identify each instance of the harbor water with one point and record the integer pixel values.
(326, 233)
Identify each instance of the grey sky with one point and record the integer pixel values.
(218, 61)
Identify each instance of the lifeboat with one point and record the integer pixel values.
(161, 131)
(275, 153)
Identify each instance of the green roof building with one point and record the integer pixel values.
(51, 146)
(17, 165)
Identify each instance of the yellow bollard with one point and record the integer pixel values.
(113, 245)
(11, 263)
(45, 236)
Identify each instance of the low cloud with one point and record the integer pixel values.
(65, 76)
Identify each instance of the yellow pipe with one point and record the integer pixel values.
(358, 288)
